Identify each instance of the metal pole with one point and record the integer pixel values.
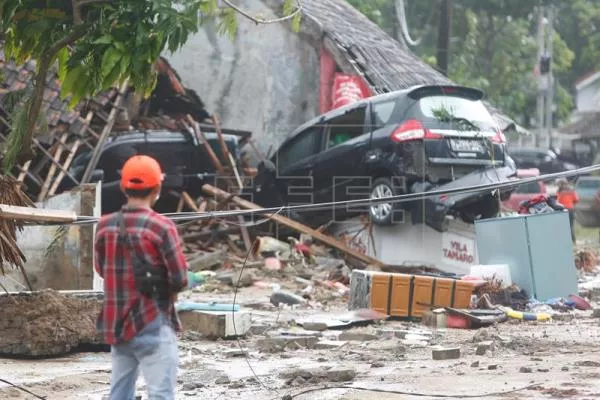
(550, 91)
(540, 97)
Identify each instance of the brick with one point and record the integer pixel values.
(446, 353)
(216, 324)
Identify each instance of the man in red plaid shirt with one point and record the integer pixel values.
(140, 327)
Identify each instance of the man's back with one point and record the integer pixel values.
(155, 240)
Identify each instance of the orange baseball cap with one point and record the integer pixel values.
(141, 172)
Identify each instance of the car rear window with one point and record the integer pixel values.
(447, 112)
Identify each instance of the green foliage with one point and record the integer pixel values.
(101, 43)
(494, 46)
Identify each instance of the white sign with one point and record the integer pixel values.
(458, 250)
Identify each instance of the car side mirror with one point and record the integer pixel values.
(97, 176)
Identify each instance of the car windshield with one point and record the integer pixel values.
(456, 113)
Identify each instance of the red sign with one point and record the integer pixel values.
(348, 89)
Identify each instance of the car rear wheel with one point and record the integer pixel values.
(383, 213)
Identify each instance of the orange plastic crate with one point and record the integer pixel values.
(422, 295)
(400, 297)
(380, 292)
(443, 292)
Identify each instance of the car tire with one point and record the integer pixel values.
(383, 214)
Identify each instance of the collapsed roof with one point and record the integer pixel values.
(169, 98)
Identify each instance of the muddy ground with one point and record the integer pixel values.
(558, 359)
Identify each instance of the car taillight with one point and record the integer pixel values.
(412, 130)
(499, 137)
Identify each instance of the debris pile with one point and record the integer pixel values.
(47, 323)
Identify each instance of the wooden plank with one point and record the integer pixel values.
(328, 240)
(36, 214)
(105, 133)
(55, 160)
(66, 165)
(189, 201)
(24, 171)
(224, 149)
(211, 154)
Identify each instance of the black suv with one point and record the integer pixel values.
(182, 156)
(406, 141)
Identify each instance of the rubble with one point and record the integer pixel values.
(47, 323)
(443, 353)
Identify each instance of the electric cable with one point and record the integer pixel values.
(37, 396)
(402, 198)
(414, 394)
(235, 292)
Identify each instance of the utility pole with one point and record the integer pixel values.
(545, 101)
(444, 33)
(541, 92)
(550, 91)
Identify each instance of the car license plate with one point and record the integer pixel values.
(471, 146)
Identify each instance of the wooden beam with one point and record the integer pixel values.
(36, 214)
(211, 154)
(224, 149)
(114, 112)
(66, 165)
(328, 240)
(55, 160)
(189, 201)
(24, 171)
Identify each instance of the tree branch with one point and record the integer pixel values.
(77, 4)
(39, 84)
(299, 7)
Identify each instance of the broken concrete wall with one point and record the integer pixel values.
(58, 257)
(265, 80)
(453, 251)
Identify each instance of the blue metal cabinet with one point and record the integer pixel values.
(537, 248)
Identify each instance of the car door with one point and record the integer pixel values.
(340, 166)
(295, 163)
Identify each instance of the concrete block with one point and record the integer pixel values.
(284, 342)
(435, 320)
(353, 336)
(446, 353)
(315, 326)
(341, 375)
(483, 348)
(216, 324)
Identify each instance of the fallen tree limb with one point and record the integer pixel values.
(328, 240)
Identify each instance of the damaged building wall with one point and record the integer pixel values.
(266, 80)
(58, 257)
(454, 251)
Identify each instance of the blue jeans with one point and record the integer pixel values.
(154, 351)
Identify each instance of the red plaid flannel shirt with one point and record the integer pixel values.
(125, 311)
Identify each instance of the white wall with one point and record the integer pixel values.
(266, 80)
(588, 98)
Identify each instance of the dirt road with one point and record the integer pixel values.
(558, 359)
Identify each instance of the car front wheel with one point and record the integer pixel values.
(383, 213)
